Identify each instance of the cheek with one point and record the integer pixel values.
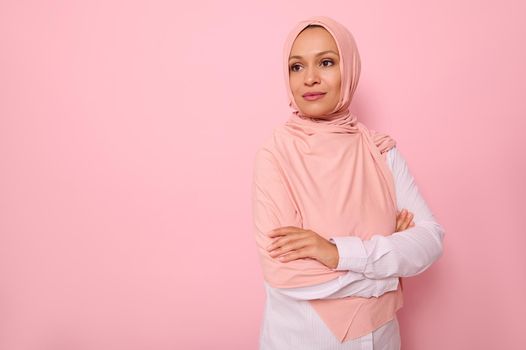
(336, 86)
(335, 80)
(293, 85)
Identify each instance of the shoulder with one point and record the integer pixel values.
(397, 162)
(275, 142)
(265, 155)
(383, 141)
(267, 145)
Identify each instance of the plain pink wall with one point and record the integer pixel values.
(127, 136)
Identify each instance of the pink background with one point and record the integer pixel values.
(127, 135)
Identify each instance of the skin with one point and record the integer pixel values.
(312, 70)
(309, 71)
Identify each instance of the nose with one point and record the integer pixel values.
(311, 76)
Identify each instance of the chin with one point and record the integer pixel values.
(315, 112)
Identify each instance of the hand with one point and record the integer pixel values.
(404, 220)
(291, 243)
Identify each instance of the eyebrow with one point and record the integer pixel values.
(318, 54)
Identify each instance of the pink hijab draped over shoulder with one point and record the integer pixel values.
(328, 175)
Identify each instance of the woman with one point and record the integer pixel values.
(332, 241)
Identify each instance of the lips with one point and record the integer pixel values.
(315, 93)
(313, 96)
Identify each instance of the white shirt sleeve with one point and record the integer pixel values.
(402, 254)
(350, 284)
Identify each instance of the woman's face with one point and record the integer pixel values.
(314, 69)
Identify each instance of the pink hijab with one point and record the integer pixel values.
(329, 175)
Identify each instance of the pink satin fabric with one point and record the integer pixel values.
(329, 175)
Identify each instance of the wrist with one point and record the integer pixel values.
(334, 257)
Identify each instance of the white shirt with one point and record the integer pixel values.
(374, 265)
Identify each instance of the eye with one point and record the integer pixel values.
(325, 61)
(292, 67)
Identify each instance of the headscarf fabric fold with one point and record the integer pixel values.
(329, 175)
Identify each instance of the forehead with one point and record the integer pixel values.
(313, 40)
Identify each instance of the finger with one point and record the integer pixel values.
(400, 220)
(294, 255)
(289, 246)
(407, 221)
(284, 239)
(280, 231)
